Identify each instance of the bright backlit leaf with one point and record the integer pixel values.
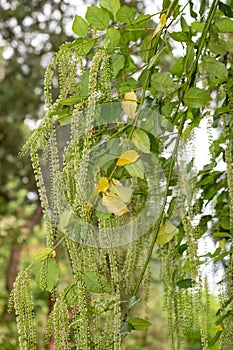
(118, 63)
(196, 98)
(141, 140)
(166, 233)
(111, 5)
(126, 14)
(129, 104)
(162, 82)
(161, 25)
(128, 157)
(113, 36)
(214, 67)
(80, 27)
(44, 253)
(99, 18)
(224, 25)
(121, 192)
(102, 185)
(138, 323)
(114, 205)
(136, 169)
(132, 301)
(64, 219)
(124, 193)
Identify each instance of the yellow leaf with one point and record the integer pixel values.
(219, 328)
(127, 157)
(89, 207)
(162, 23)
(114, 205)
(129, 104)
(44, 253)
(102, 185)
(166, 233)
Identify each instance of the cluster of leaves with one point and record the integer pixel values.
(171, 103)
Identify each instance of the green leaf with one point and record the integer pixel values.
(64, 219)
(138, 323)
(195, 98)
(111, 110)
(126, 14)
(162, 82)
(132, 301)
(202, 9)
(98, 18)
(70, 101)
(226, 9)
(214, 67)
(64, 119)
(113, 35)
(182, 248)
(48, 269)
(44, 253)
(127, 86)
(141, 140)
(136, 169)
(177, 68)
(83, 46)
(84, 84)
(224, 25)
(184, 25)
(192, 12)
(156, 58)
(221, 234)
(179, 36)
(111, 5)
(126, 328)
(166, 233)
(71, 294)
(80, 27)
(225, 223)
(146, 49)
(124, 193)
(96, 283)
(166, 4)
(185, 283)
(189, 57)
(198, 26)
(118, 62)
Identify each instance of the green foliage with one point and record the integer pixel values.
(127, 188)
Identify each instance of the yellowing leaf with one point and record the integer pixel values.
(219, 328)
(117, 190)
(89, 207)
(44, 253)
(114, 205)
(127, 157)
(129, 104)
(166, 233)
(141, 140)
(124, 193)
(162, 23)
(102, 185)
